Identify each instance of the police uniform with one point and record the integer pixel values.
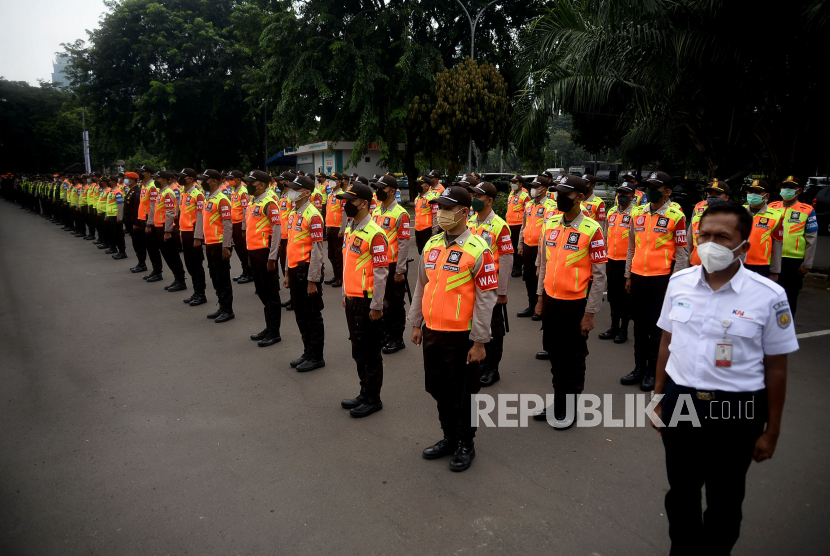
(192, 229)
(218, 231)
(767, 235)
(335, 226)
(239, 206)
(424, 212)
(714, 188)
(105, 231)
(529, 234)
(453, 305)
(800, 241)
(750, 315)
(516, 203)
(148, 198)
(365, 275)
(286, 206)
(619, 223)
(164, 215)
(593, 207)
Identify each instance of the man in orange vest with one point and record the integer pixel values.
(529, 241)
(766, 241)
(149, 195)
(634, 179)
(656, 249)
(366, 269)
(263, 231)
(239, 206)
(424, 212)
(594, 207)
(163, 215)
(305, 267)
(619, 228)
(572, 253)
(716, 191)
(451, 311)
(218, 231)
(516, 203)
(286, 206)
(192, 230)
(335, 226)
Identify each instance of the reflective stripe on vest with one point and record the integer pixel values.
(490, 233)
(534, 218)
(619, 226)
(144, 200)
(102, 200)
(591, 208)
(258, 225)
(568, 264)
(694, 258)
(112, 205)
(212, 219)
(654, 237)
(160, 214)
(516, 202)
(189, 212)
(760, 238)
(239, 201)
(334, 211)
(358, 270)
(299, 235)
(286, 206)
(449, 294)
(795, 226)
(423, 211)
(388, 222)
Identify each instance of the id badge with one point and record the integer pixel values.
(723, 354)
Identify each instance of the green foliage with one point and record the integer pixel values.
(500, 204)
(142, 157)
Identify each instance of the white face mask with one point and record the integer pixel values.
(514, 186)
(293, 195)
(127, 181)
(534, 192)
(715, 256)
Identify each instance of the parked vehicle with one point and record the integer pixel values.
(821, 203)
(812, 188)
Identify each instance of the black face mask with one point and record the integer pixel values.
(351, 210)
(623, 199)
(251, 189)
(564, 203)
(182, 181)
(382, 195)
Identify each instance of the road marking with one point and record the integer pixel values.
(811, 334)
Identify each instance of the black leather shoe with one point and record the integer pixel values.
(198, 299)
(310, 365)
(215, 314)
(442, 448)
(394, 346)
(177, 287)
(490, 377)
(225, 317)
(139, 268)
(542, 355)
(648, 382)
(289, 307)
(337, 283)
(526, 313)
(103, 246)
(188, 299)
(244, 280)
(563, 421)
(156, 278)
(89, 238)
(269, 341)
(351, 403)
(236, 278)
(622, 336)
(609, 334)
(464, 456)
(635, 376)
(259, 335)
(542, 415)
(369, 406)
(119, 256)
(170, 285)
(111, 250)
(536, 318)
(78, 234)
(515, 273)
(96, 242)
(298, 361)
(329, 281)
(285, 303)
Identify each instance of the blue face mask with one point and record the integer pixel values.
(713, 201)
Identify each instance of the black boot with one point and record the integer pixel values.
(225, 316)
(489, 377)
(198, 299)
(154, 278)
(370, 405)
(269, 340)
(464, 455)
(119, 256)
(542, 355)
(611, 333)
(215, 314)
(635, 376)
(351, 403)
(648, 380)
(310, 364)
(329, 281)
(111, 250)
(259, 335)
(394, 346)
(245, 279)
(622, 335)
(139, 268)
(526, 313)
(177, 286)
(444, 447)
(298, 361)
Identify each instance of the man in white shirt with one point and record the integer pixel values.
(723, 361)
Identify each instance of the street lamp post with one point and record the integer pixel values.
(473, 24)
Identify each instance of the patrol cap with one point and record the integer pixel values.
(167, 175)
(321, 175)
(485, 188)
(423, 179)
(147, 169)
(477, 176)
(259, 175)
(301, 182)
(452, 196)
(188, 172)
(465, 181)
(518, 178)
(96, 174)
(717, 186)
(387, 181)
(589, 178)
(792, 180)
(236, 174)
(287, 175)
(759, 186)
(248, 180)
(120, 174)
(131, 175)
(356, 190)
(434, 174)
(625, 188)
(212, 174)
(566, 184)
(374, 179)
(361, 179)
(338, 176)
(659, 178)
(631, 175)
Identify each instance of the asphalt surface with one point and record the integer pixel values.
(131, 424)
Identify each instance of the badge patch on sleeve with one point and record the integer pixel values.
(783, 318)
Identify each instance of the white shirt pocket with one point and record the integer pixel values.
(746, 340)
(680, 330)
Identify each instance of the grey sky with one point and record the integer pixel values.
(33, 31)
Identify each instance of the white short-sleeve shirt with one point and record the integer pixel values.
(759, 323)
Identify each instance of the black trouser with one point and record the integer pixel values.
(495, 347)
(618, 298)
(170, 251)
(394, 314)
(717, 454)
(335, 251)
(153, 250)
(283, 252)
(308, 310)
(514, 239)
(139, 241)
(529, 274)
(421, 238)
(762, 269)
(562, 338)
(450, 380)
(267, 288)
(116, 233)
(365, 335)
(104, 231)
(193, 257)
(220, 275)
(80, 220)
(791, 280)
(90, 220)
(647, 293)
(240, 242)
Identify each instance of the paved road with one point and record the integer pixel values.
(131, 424)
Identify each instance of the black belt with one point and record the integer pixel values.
(720, 395)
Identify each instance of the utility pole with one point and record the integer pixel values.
(473, 24)
(85, 136)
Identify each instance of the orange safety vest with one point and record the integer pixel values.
(102, 200)
(388, 222)
(165, 200)
(657, 237)
(516, 202)
(424, 212)
(496, 233)
(569, 256)
(800, 218)
(303, 230)
(317, 200)
(766, 228)
(212, 216)
(534, 218)
(594, 209)
(148, 195)
(363, 251)
(192, 204)
(261, 216)
(286, 206)
(700, 207)
(694, 258)
(619, 226)
(334, 211)
(449, 294)
(239, 202)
